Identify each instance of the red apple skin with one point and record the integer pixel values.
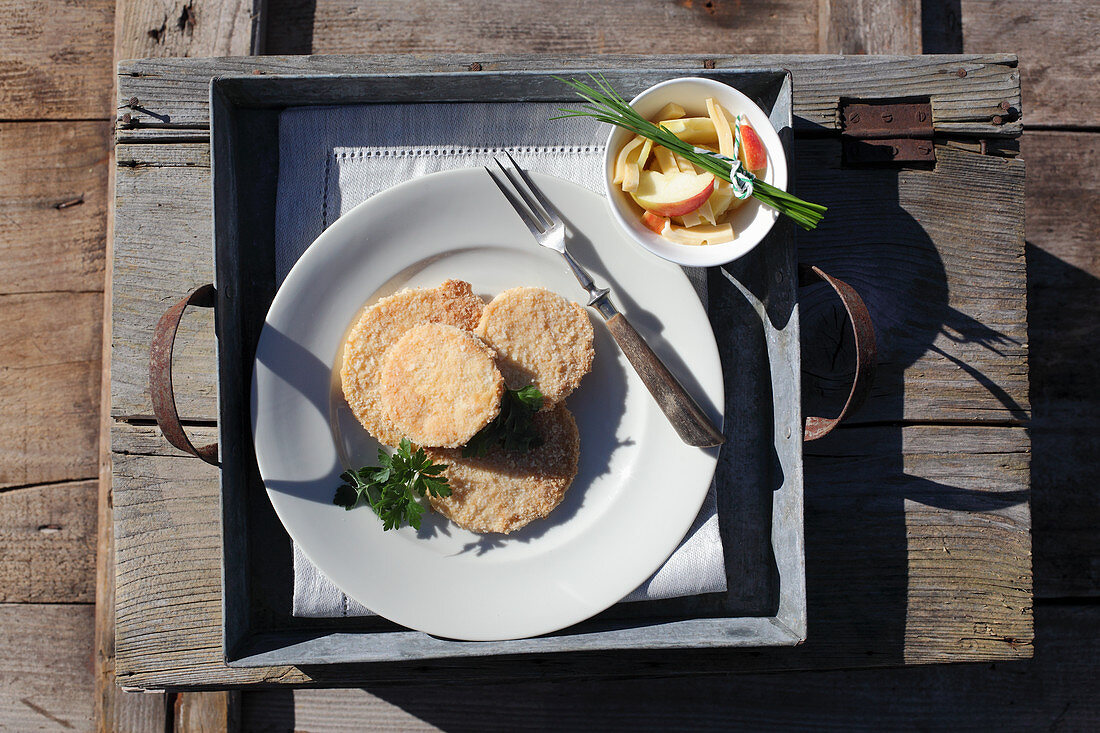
(654, 222)
(679, 208)
(753, 154)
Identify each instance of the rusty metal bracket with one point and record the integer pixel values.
(884, 132)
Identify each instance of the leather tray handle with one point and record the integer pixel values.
(160, 375)
(866, 352)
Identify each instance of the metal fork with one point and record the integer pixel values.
(548, 229)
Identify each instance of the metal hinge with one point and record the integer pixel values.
(887, 132)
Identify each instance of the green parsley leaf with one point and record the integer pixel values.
(394, 487)
(514, 428)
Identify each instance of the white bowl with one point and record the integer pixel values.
(751, 222)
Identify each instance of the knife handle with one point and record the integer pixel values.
(689, 420)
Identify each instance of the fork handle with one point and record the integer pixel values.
(689, 420)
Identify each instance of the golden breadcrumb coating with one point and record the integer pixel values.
(503, 491)
(453, 303)
(440, 385)
(540, 338)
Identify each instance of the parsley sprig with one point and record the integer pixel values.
(514, 428)
(394, 487)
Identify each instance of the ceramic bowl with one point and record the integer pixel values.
(751, 222)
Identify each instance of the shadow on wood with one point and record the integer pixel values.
(1065, 429)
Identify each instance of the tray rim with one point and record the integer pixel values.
(245, 647)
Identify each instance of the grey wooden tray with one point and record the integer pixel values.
(754, 313)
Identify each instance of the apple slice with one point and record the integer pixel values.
(752, 152)
(654, 222)
(721, 199)
(693, 130)
(700, 235)
(673, 194)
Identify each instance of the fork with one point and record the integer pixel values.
(548, 229)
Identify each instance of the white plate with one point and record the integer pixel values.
(638, 488)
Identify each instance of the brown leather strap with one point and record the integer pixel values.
(160, 375)
(866, 353)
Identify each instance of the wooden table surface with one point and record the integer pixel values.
(917, 524)
(57, 114)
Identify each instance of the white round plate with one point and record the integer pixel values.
(638, 487)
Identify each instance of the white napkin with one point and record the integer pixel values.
(333, 158)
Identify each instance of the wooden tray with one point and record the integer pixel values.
(754, 313)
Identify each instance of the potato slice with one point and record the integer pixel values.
(666, 159)
(643, 156)
(694, 130)
(686, 166)
(632, 147)
(700, 235)
(670, 111)
(691, 219)
(726, 144)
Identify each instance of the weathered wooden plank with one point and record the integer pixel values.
(115, 709)
(47, 544)
(49, 387)
(1059, 54)
(46, 678)
(207, 712)
(53, 205)
(56, 60)
(565, 27)
(960, 356)
(173, 93)
(1058, 684)
(1063, 273)
(150, 277)
(869, 26)
(918, 551)
(195, 28)
(938, 256)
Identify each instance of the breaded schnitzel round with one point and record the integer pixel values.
(503, 491)
(452, 303)
(540, 338)
(439, 385)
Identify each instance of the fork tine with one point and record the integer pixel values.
(552, 214)
(545, 219)
(524, 215)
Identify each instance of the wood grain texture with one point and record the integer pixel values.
(563, 27)
(917, 539)
(1059, 53)
(869, 26)
(158, 259)
(56, 60)
(687, 418)
(46, 678)
(174, 92)
(1058, 685)
(1063, 272)
(960, 355)
(47, 544)
(49, 387)
(207, 712)
(148, 28)
(53, 205)
(115, 709)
